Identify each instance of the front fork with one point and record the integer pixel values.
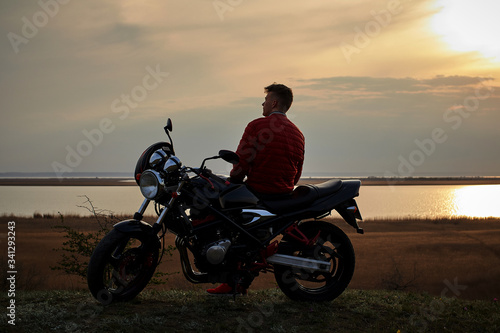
(140, 213)
(159, 222)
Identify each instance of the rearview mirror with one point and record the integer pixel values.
(168, 127)
(229, 156)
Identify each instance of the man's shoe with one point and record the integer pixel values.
(226, 289)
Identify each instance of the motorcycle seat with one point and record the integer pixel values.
(301, 196)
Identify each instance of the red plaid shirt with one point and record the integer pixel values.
(271, 155)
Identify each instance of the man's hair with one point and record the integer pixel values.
(282, 93)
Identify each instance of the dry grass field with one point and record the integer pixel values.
(455, 258)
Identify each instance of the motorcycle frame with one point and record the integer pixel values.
(342, 201)
(317, 210)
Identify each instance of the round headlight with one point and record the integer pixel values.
(173, 164)
(151, 184)
(157, 157)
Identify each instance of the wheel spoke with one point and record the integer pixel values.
(331, 251)
(121, 266)
(114, 261)
(332, 247)
(118, 280)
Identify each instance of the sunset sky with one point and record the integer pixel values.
(402, 88)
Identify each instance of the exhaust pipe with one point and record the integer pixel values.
(301, 263)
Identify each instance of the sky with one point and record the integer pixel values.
(381, 88)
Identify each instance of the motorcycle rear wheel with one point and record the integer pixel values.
(122, 265)
(332, 246)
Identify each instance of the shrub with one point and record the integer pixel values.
(78, 247)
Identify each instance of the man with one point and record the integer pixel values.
(271, 150)
(271, 153)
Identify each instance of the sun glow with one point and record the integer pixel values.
(467, 25)
(476, 201)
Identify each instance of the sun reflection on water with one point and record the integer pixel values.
(477, 201)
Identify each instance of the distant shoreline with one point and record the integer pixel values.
(370, 181)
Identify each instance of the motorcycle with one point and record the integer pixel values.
(225, 233)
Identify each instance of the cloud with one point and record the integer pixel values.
(356, 116)
(381, 84)
(370, 122)
(396, 94)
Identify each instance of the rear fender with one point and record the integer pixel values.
(350, 213)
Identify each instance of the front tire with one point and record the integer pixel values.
(332, 246)
(122, 265)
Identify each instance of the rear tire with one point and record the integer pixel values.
(122, 265)
(332, 246)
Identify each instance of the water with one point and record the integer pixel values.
(26, 200)
(374, 201)
(429, 201)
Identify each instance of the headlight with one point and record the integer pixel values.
(173, 164)
(157, 157)
(151, 184)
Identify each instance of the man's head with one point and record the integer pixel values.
(279, 98)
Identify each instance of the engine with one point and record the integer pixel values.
(216, 252)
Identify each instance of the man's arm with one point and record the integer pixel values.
(299, 172)
(246, 152)
(300, 164)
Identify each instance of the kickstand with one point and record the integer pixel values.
(235, 285)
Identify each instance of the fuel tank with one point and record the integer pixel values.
(237, 196)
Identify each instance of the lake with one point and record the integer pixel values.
(374, 201)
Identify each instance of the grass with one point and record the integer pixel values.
(403, 254)
(261, 311)
(423, 258)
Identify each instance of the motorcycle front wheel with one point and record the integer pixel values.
(122, 265)
(332, 246)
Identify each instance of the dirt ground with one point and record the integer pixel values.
(459, 257)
